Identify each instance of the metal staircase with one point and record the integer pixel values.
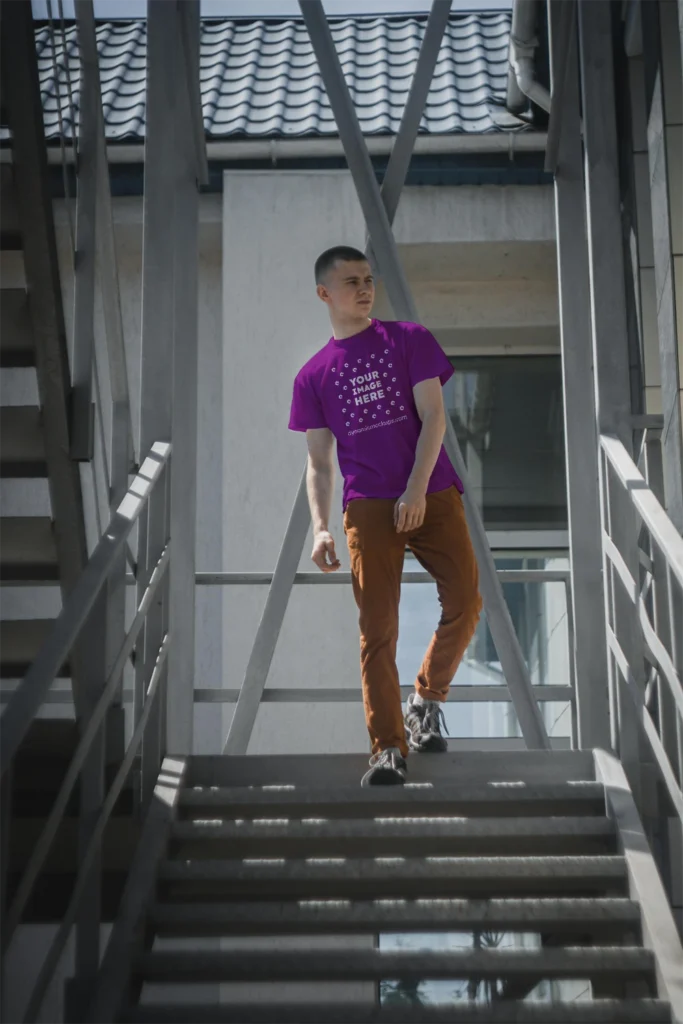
(279, 873)
(269, 854)
(43, 539)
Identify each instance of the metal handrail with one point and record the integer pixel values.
(30, 693)
(661, 572)
(90, 853)
(220, 579)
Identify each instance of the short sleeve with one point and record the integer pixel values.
(306, 412)
(425, 357)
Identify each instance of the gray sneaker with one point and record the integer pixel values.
(423, 726)
(387, 768)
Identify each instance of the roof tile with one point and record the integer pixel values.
(261, 78)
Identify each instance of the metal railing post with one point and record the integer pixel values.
(78, 989)
(384, 248)
(154, 634)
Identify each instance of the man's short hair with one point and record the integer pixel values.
(326, 261)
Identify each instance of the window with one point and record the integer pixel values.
(508, 415)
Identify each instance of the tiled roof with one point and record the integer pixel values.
(260, 77)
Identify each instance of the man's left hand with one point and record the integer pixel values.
(409, 510)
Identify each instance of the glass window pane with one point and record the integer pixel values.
(508, 415)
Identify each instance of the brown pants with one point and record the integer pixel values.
(442, 546)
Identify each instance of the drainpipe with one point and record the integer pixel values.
(523, 42)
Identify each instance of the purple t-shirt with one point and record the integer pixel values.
(361, 388)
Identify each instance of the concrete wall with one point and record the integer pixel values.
(275, 225)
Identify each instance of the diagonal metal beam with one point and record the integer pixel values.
(384, 246)
(270, 625)
(399, 161)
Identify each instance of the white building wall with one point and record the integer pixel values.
(275, 225)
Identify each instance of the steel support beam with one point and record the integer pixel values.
(384, 247)
(169, 340)
(183, 484)
(581, 438)
(609, 330)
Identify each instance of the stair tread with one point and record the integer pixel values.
(404, 836)
(22, 446)
(354, 802)
(333, 771)
(16, 339)
(609, 865)
(20, 642)
(27, 549)
(373, 964)
(399, 878)
(600, 1011)
(323, 916)
(269, 831)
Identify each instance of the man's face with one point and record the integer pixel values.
(349, 289)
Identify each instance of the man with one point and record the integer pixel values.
(376, 389)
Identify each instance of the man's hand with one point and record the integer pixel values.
(324, 555)
(409, 510)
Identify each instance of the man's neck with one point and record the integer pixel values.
(342, 329)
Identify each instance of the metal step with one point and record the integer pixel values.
(22, 448)
(333, 771)
(409, 801)
(28, 552)
(20, 641)
(594, 917)
(396, 878)
(601, 1011)
(387, 838)
(16, 339)
(577, 962)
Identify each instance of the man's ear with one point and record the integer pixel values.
(322, 292)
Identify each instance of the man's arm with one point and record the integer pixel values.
(409, 511)
(320, 487)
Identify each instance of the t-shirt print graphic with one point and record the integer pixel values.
(369, 391)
